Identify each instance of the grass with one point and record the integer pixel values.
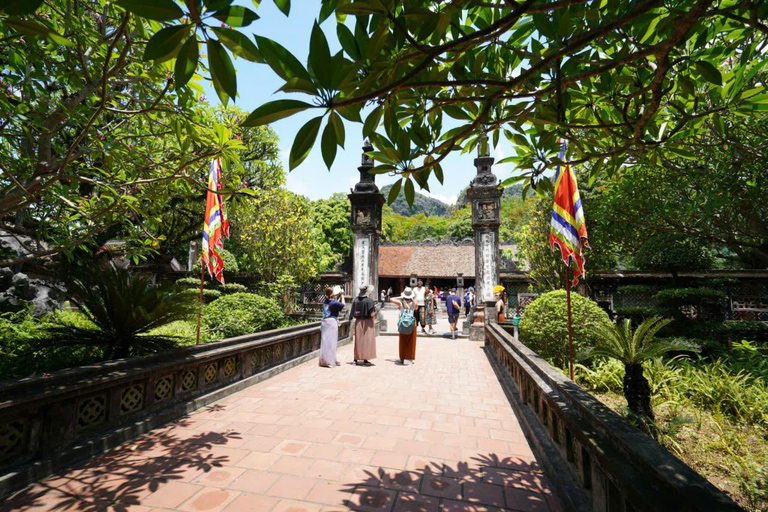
(712, 414)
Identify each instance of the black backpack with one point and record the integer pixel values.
(361, 308)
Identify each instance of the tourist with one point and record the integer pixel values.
(499, 307)
(383, 298)
(364, 312)
(389, 292)
(430, 304)
(408, 307)
(453, 307)
(466, 303)
(329, 328)
(420, 293)
(472, 301)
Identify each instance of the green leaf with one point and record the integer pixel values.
(281, 60)
(305, 139)
(709, 72)
(186, 62)
(347, 40)
(275, 110)
(35, 29)
(16, 7)
(158, 10)
(394, 191)
(410, 193)
(328, 145)
(360, 9)
(338, 127)
(319, 60)
(238, 43)
(216, 5)
(222, 71)
(165, 42)
(372, 122)
(284, 6)
(236, 16)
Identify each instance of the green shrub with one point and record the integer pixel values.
(604, 375)
(189, 282)
(242, 313)
(209, 294)
(230, 288)
(677, 297)
(672, 253)
(737, 330)
(230, 263)
(637, 288)
(184, 330)
(544, 326)
(636, 313)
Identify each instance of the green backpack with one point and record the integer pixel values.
(406, 322)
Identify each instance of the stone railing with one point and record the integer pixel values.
(50, 422)
(598, 461)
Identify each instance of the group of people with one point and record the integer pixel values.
(418, 307)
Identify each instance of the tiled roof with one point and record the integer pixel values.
(427, 261)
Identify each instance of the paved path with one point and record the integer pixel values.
(436, 436)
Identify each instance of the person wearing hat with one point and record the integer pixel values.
(364, 312)
(499, 307)
(329, 327)
(453, 307)
(407, 305)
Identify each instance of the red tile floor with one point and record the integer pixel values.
(436, 436)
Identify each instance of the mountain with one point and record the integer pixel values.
(515, 190)
(421, 204)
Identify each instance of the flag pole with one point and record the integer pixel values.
(570, 320)
(200, 308)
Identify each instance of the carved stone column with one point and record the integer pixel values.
(366, 202)
(485, 196)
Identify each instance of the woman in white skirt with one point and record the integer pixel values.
(329, 328)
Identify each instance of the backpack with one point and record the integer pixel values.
(406, 322)
(361, 308)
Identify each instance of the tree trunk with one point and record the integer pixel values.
(637, 391)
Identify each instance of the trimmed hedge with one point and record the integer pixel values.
(544, 326)
(230, 263)
(242, 313)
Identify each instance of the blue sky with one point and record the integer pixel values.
(256, 85)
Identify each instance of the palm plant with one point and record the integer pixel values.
(618, 341)
(124, 308)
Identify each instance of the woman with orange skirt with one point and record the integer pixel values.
(407, 305)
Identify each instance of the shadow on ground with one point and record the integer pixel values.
(120, 479)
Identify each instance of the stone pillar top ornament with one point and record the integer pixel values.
(365, 197)
(367, 183)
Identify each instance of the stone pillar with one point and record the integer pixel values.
(366, 202)
(485, 197)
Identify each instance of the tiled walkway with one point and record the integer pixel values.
(436, 436)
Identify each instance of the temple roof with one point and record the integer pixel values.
(428, 260)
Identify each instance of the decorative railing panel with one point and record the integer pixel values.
(43, 417)
(598, 461)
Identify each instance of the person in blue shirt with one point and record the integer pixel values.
(329, 327)
(453, 306)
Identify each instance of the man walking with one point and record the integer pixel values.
(453, 306)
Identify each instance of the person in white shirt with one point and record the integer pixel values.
(419, 294)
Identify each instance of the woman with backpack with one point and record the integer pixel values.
(364, 311)
(406, 325)
(329, 328)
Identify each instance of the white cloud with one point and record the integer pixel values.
(440, 197)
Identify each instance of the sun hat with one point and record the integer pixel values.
(363, 291)
(336, 290)
(407, 293)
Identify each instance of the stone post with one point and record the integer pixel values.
(366, 202)
(485, 197)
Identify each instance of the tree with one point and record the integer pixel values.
(620, 80)
(633, 349)
(713, 196)
(273, 236)
(331, 216)
(91, 132)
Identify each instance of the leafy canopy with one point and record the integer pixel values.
(622, 80)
